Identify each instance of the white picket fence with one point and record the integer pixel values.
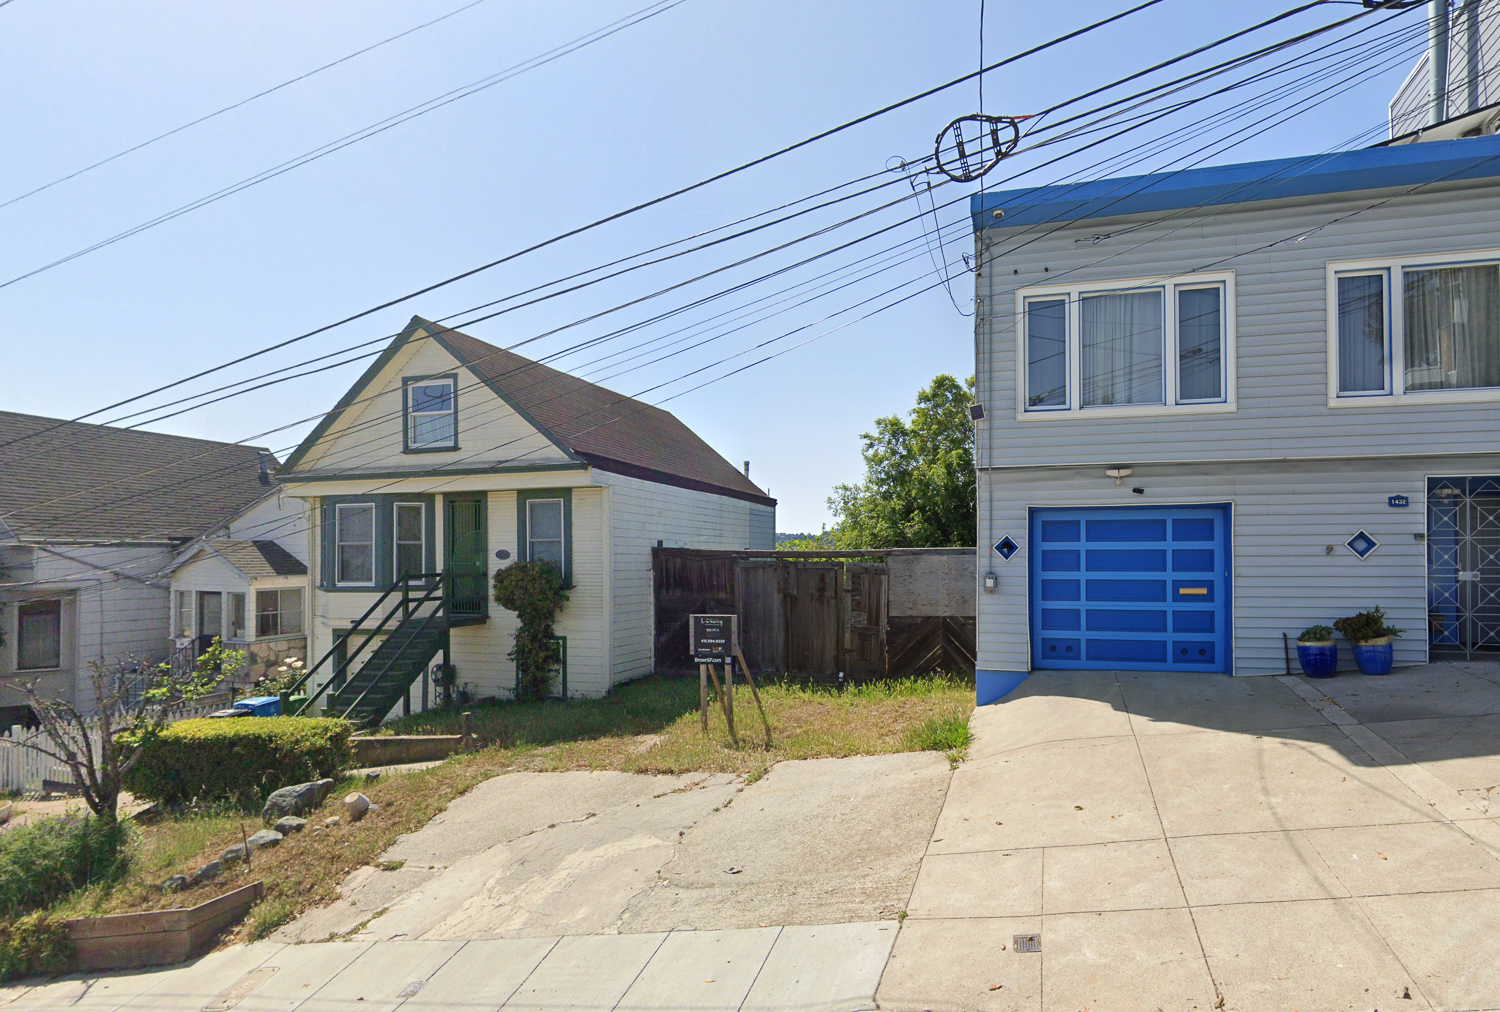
(23, 769)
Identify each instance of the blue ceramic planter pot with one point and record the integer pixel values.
(1319, 660)
(1376, 656)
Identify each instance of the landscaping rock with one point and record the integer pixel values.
(175, 884)
(300, 799)
(208, 872)
(265, 838)
(355, 806)
(371, 776)
(331, 821)
(289, 824)
(233, 854)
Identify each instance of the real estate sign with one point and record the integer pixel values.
(711, 638)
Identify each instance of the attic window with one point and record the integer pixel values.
(431, 413)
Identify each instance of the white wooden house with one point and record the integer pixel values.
(452, 456)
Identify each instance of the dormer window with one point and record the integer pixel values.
(431, 413)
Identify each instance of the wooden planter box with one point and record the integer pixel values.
(389, 750)
(159, 937)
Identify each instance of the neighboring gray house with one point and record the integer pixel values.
(92, 520)
(1472, 80)
(1224, 404)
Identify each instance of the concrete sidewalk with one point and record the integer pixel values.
(811, 969)
(1201, 842)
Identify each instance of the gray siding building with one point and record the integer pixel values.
(1225, 404)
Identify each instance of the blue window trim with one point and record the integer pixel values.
(523, 542)
(385, 539)
(407, 382)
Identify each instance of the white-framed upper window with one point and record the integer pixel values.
(431, 413)
(1423, 328)
(1158, 346)
(544, 532)
(354, 544)
(411, 538)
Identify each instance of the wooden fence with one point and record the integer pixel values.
(837, 616)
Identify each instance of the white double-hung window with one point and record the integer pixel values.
(431, 413)
(1414, 329)
(1127, 347)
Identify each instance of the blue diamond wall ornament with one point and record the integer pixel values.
(1006, 548)
(1361, 544)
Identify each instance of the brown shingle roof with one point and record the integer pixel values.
(257, 559)
(74, 481)
(608, 430)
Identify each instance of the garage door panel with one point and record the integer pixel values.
(1127, 620)
(1152, 593)
(1127, 590)
(1127, 560)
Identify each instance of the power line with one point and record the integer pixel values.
(236, 105)
(365, 133)
(717, 177)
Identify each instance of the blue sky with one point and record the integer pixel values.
(697, 89)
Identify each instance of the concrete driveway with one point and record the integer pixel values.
(1202, 842)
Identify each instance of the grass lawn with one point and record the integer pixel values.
(650, 726)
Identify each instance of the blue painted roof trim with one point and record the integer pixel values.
(1278, 179)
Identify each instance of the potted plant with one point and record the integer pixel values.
(1317, 653)
(1370, 639)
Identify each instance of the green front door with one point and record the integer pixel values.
(466, 551)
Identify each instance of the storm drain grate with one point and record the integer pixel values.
(1028, 943)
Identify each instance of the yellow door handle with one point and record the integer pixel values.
(1201, 591)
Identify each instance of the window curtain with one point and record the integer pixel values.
(1047, 354)
(1200, 341)
(39, 625)
(1452, 328)
(1121, 347)
(1362, 334)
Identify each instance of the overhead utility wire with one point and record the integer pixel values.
(364, 133)
(236, 105)
(725, 174)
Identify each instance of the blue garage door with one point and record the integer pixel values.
(1142, 588)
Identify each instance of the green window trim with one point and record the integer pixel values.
(523, 539)
(385, 533)
(407, 382)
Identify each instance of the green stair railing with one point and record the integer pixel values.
(436, 584)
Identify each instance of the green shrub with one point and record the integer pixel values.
(1365, 626)
(239, 760)
(34, 944)
(1315, 634)
(535, 592)
(49, 858)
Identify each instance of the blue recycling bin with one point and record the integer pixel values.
(261, 706)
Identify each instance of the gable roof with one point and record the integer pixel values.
(1469, 159)
(256, 559)
(72, 481)
(594, 425)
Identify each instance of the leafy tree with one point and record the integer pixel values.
(918, 490)
(132, 702)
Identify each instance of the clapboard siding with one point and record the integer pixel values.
(644, 513)
(1284, 517)
(115, 604)
(1281, 322)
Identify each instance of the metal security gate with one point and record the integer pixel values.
(1141, 588)
(1463, 565)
